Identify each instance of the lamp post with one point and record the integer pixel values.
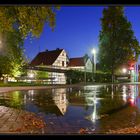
(94, 61)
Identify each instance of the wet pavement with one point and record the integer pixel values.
(15, 121)
(19, 121)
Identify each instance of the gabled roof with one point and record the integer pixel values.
(73, 62)
(46, 58)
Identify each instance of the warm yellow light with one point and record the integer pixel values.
(124, 70)
(31, 75)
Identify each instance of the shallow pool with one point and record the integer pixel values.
(97, 108)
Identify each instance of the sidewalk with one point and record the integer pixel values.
(15, 121)
(7, 89)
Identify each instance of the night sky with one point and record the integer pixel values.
(77, 30)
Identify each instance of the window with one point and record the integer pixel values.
(63, 54)
(62, 63)
(62, 97)
(67, 62)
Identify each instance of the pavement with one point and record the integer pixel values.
(7, 89)
(15, 121)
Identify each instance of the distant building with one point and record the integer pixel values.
(81, 64)
(58, 59)
(53, 59)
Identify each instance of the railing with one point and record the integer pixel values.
(49, 69)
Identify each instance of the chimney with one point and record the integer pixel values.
(57, 49)
(46, 50)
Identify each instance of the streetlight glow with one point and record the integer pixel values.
(93, 51)
(124, 70)
(94, 60)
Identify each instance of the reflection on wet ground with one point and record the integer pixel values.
(99, 108)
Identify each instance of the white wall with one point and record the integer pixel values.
(89, 66)
(61, 57)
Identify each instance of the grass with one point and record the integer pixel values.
(16, 84)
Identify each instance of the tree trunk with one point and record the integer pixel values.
(112, 74)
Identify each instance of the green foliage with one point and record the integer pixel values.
(27, 19)
(12, 55)
(74, 76)
(41, 74)
(118, 45)
(102, 78)
(15, 52)
(16, 23)
(5, 65)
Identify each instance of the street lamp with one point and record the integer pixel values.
(124, 70)
(94, 55)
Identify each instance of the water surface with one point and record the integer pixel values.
(98, 108)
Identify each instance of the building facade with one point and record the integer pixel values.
(55, 59)
(58, 60)
(81, 64)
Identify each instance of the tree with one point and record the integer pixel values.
(117, 43)
(12, 57)
(27, 19)
(16, 23)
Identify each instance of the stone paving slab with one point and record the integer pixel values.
(16, 121)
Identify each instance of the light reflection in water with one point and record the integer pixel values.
(25, 98)
(59, 97)
(99, 99)
(91, 100)
(112, 91)
(130, 94)
(94, 114)
(31, 95)
(124, 94)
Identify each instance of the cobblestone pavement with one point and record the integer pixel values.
(16, 121)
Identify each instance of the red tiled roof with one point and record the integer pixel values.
(76, 62)
(46, 58)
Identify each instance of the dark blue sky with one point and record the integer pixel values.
(77, 30)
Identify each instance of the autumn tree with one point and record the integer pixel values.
(27, 19)
(117, 43)
(16, 23)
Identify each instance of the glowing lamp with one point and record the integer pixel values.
(124, 70)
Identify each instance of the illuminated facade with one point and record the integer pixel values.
(58, 59)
